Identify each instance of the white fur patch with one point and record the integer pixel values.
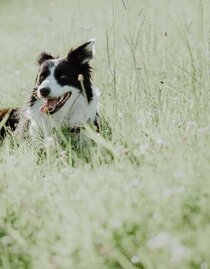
(75, 112)
(50, 82)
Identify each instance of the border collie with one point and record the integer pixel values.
(63, 95)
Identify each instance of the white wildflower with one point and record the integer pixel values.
(181, 189)
(64, 155)
(191, 125)
(164, 240)
(49, 141)
(171, 192)
(160, 143)
(203, 130)
(168, 192)
(179, 253)
(117, 224)
(160, 241)
(156, 216)
(144, 148)
(179, 174)
(135, 259)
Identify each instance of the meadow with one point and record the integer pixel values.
(138, 195)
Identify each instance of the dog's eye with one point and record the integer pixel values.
(63, 76)
(60, 74)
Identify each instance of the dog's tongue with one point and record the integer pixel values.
(49, 103)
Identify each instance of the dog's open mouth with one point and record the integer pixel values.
(53, 105)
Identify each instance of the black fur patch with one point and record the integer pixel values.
(33, 97)
(96, 123)
(44, 73)
(81, 54)
(67, 71)
(44, 56)
(11, 121)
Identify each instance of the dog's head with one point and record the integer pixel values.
(58, 78)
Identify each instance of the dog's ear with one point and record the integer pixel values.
(44, 56)
(83, 54)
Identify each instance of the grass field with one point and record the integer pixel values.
(139, 197)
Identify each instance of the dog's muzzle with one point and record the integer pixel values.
(52, 105)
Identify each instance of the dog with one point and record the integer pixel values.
(63, 95)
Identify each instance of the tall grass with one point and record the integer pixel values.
(137, 196)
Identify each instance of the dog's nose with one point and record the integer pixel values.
(44, 92)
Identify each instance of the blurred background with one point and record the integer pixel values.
(159, 29)
(146, 207)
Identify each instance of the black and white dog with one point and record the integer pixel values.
(63, 95)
